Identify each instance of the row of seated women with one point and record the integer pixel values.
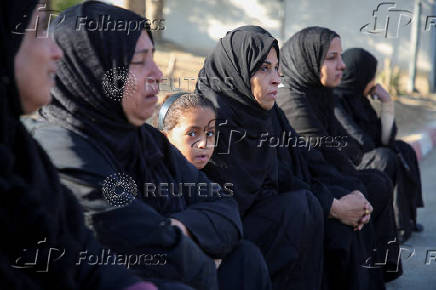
(242, 185)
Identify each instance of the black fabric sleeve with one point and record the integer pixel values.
(212, 214)
(352, 128)
(141, 234)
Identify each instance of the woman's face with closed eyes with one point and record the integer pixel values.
(139, 105)
(333, 66)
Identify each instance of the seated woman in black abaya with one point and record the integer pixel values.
(274, 184)
(376, 135)
(95, 132)
(43, 229)
(312, 66)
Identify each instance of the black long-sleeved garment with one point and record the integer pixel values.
(287, 224)
(309, 107)
(359, 119)
(142, 227)
(43, 230)
(90, 140)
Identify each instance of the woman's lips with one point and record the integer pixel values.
(201, 158)
(273, 94)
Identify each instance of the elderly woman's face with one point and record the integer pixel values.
(265, 81)
(333, 66)
(35, 65)
(139, 104)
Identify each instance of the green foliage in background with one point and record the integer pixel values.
(61, 5)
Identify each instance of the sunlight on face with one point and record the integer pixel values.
(194, 135)
(333, 66)
(35, 65)
(140, 103)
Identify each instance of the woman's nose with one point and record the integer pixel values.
(156, 72)
(276, 78)
(56, 52)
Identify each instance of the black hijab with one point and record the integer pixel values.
(225, 80)
(361, 69)
(33, 203)
(90, 82)
(302, 57)
(308, 105)
(227, 71)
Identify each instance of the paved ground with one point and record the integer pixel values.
(420, 269)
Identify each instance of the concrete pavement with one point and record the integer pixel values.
(419, 252)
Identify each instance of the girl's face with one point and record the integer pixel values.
(194, 135)
(35, 65)
(265, 81)
(139, 104)
(333, 66)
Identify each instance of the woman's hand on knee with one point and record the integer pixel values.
(350, 208)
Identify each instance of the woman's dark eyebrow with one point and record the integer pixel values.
(267, 62)
(145, 50)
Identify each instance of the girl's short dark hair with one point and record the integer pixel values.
(174, 105)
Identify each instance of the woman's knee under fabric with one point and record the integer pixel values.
(244, 268)
(379, 189)
(383, 159)
(289, 230)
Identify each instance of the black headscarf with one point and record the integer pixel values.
(360, 69)
(86, 99)
(235, 59)
(303, 55)
(308, 105)
(33, 205)
(225, 80)
(40, 219)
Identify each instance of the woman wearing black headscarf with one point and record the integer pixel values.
(95, 133)
(259, 152)
(311, 65)
(376, 135)
(240, 77)
(43, 231)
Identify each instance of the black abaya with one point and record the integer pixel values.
(309, 107)
(286, 225)
(43, 231)
(397, 159)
